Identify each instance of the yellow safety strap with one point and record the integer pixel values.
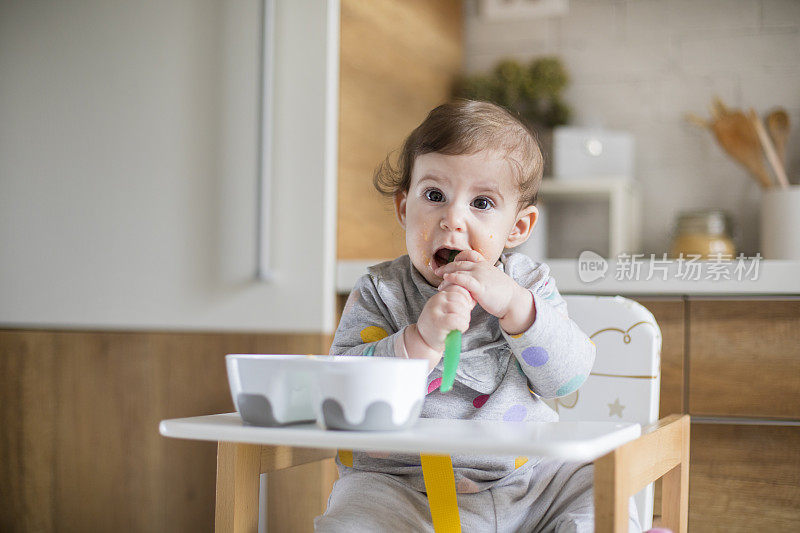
(346, 457)
(440, 485)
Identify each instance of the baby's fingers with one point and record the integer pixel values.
(454, 267)
(465, 281)
(470, 255)
(458, 321)
(459, 291)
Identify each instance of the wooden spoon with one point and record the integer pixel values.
(718, 108)
(737, 135)
(769, 148)
(778, 126)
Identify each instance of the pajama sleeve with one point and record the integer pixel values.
(366, 327)
(554, 353)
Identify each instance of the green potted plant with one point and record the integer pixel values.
(533, 92)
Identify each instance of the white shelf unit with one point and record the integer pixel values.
(623, 198)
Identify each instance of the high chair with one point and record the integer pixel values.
(622, 387)
(625, 381)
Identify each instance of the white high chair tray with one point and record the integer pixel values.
(570, 441)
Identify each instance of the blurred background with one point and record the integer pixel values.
(640, 67)
(158, 212)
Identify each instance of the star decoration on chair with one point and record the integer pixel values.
(615, 408)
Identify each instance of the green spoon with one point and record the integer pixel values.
(452, 350)
(452, 353)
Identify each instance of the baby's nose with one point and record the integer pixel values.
(453, 219)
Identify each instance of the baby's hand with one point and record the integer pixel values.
(497, 293)
(447, 310)
(490, 287)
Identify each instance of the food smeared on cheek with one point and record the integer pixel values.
(427, 260)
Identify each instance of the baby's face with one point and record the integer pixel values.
(461, 202)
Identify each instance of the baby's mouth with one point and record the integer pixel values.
(444, 256)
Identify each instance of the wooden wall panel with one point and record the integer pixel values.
(744, 358)
(27, 438)
(744, 478)
(80, 448)
(398, 60)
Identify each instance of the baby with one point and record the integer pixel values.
(466, 185)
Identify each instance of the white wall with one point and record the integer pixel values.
(640, 65)
(128, 163)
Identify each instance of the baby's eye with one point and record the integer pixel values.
(482, 203)
(434, 195)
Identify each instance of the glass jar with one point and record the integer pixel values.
(704, 232)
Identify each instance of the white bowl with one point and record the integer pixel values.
(339, 392)
(273, 390)
(370, 393)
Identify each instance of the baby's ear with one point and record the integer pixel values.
(400, 199)
(523, 226)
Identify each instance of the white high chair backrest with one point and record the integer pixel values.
(625, 380)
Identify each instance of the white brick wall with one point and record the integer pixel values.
(640, 65)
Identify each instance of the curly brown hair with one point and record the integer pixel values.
(466, 127)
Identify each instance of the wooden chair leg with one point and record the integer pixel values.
(661, 450)
(610, 495)
(675, 489)
(238, 471)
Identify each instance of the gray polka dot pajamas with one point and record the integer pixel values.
(499, 377)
